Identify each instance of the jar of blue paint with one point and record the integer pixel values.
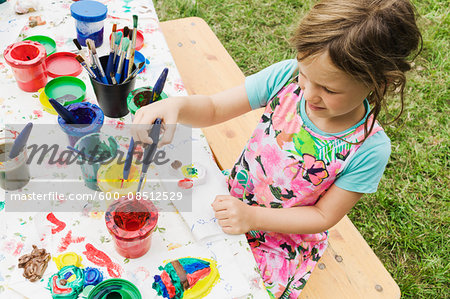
(89, 17)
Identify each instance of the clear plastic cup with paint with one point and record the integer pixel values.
(14, 173)
(96, 149)
(89, 17)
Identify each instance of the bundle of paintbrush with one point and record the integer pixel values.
(119, 68)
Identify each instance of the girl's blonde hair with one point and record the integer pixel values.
(369, 39)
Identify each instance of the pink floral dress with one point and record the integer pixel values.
(285, 164)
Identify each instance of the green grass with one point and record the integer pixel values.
(407, 221)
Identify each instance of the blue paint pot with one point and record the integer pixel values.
(89, 17)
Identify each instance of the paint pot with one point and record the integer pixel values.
(110, 177)
(67, 259)
(115, 288)
(141, 97)
(26, 59)
(66, 90)
(90, 117)
(113, 98)
(14, 173)
(89, 17)
(131, 222)
(67, 283)
(100, 149)
(92, 276)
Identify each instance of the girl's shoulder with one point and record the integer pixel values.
(263, 85)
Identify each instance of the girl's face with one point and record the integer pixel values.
(334, 99)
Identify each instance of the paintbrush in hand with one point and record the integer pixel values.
(149, 151)
(128, 161)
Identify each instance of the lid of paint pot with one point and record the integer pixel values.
(47, 42)
(92, 276)
(67, 259)
(138, 58)
(89, 11)
(62, 64)
(24, 54)
(63, 86)
(123, 288)
(139, 39)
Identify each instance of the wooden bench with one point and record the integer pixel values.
(349, 268)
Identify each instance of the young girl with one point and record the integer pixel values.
(318, 147)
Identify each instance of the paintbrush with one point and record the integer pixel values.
(149, 151)
(128, 161)
(82, 52)
(118, 39)
(113, 80)
(109, 65)
(127, 59)
(91, 45)
(20, 141)
(123, 52)
(135, 72)
(159, 86)
(63, 112)
(86, 67)
(133, 43)
(86, 156)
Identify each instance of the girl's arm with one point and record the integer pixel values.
(195, 110)
(236, 217)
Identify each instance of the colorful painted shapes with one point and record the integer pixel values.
(62, 64)
(186, 278)
(67, 283)
(47, 42)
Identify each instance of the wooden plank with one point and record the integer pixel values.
(349, 268)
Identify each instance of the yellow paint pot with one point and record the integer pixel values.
(67, 259)
(110, 177)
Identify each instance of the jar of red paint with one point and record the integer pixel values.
(27, 61)
(131, 222)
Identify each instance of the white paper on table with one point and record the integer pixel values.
(229, 286)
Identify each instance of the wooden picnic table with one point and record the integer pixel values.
(349, 267)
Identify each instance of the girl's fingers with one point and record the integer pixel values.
(221, 215)
(224, 223)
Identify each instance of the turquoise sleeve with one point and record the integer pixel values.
(364, 171)
(262, 86)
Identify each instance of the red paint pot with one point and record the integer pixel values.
(131, 222)
(26, 59)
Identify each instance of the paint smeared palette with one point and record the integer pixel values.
(186, 278)
(191, 175)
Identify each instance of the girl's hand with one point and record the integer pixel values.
(166, 110)
(233, 214)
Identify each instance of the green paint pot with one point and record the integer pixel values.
(48, 43)
(115, 288)
(136, 98)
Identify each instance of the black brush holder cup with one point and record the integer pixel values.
(113, 98)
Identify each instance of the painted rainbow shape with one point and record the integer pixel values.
(186, 278)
